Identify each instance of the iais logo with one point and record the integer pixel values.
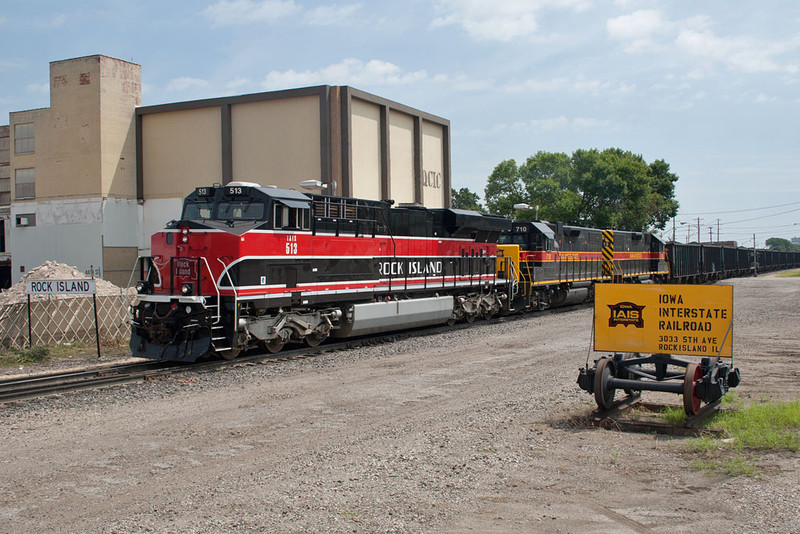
(626, 313)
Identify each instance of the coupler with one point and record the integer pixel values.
(634, 373)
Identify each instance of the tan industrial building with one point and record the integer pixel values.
(92, 176)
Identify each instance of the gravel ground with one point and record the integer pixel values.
(473, 430)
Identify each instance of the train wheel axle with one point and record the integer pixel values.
(705, 382)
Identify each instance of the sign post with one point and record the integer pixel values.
(63, 287)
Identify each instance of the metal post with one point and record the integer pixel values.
(30, 330)
(96, 327)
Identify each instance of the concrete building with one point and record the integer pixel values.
(354, 143)
(73, 169)
(95, 174)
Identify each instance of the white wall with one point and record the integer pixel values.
(66, 231)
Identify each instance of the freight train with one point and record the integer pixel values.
(247, 266)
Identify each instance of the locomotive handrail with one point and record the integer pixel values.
(227, 274)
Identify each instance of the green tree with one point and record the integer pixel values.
(612, 188)
(778, 243)
(464, 199)
(503, 188)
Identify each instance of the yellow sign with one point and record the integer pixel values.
(669, 319)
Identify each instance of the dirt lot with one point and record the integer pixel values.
(467, 431)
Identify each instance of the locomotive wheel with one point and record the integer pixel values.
(488, 314)
(451, 321)
(230, 354)
(603, 395)
(312, 340)
(274, 345)
(469, 317)
(691, 404)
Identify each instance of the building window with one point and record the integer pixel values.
(5, 155)
(26, 219)
(23, 138)
(5, 185)
(25, 182)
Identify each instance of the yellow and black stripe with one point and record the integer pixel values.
(608, 253)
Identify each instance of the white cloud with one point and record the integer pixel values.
(349, 72)
(743, 53)
(597, 87)
(9, 64)
(233, 12)
(41, 88)
(562, 123)
(333, 15)
(548, 124)
(647, 29)
(240, 85)
(638, 28)
(554, 84)
(240, 12)
(186, 84)
(498, 21)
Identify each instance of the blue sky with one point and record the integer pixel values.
(712, 87)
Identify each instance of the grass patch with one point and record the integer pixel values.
(789, 274)
(50, 353)
(734, 467)
(764, 427)
(32, 355)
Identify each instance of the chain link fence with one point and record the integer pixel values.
(58, 321)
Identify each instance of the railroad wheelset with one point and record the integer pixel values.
(633, 373)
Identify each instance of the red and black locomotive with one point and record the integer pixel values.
(247, 265)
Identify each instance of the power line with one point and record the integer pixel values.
(762, 217)
(740, 211)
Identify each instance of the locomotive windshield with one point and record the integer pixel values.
(240, 210)
(514, 239)
(198, 209)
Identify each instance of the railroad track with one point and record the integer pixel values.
(42, 385)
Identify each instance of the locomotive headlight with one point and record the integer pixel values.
(186, 288)
(188, 310)
(142, 286)
(185, 239)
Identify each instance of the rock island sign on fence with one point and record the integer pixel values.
(64, 287)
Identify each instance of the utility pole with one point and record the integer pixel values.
(717, 230)
(710, 234)
(673, 228)
(698, 230)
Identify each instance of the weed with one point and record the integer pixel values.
(734, 467)
(33, 355)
